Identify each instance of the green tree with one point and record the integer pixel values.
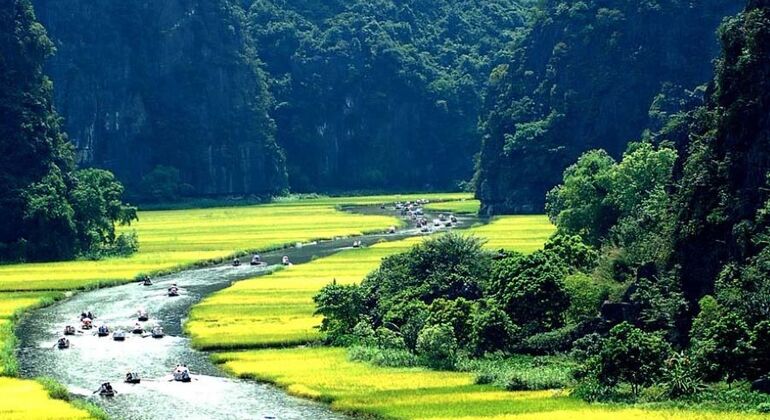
(437, 346)
(96, 199)
(630, 355)
(720, 342)
(341, 307)
(531, 291)
(491, 329)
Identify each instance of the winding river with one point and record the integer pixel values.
(212, 394)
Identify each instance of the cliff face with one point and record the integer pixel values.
(174, 82)
(585, 77)
(723, 204)
(380, 94)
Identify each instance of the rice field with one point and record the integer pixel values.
(176, 238)
(24, 399)
(457, 206)
(277, 310)
(169, 240)
(325, 374)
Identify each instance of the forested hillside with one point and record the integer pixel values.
(380, 94)
(47, 208)
(588, 74)
(368, 95)
(171, 83)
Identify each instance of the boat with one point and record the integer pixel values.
(119, 335)
(69, 330)
(103, 331)
(86, 324)
(63, 343)
(173, 291)
(132, 378)
(143, 315)
(182, 376)
(157, 332)
(106, 390)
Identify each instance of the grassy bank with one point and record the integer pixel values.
(326, 374)
(276, 311)
(169, 240)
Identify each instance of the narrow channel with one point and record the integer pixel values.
(212, 394)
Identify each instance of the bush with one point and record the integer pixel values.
(386, 357)
(630, 355)
(585, 297)
(763, 408)
(437, 346)
(491, 329)
(681, 377)
(551, 342)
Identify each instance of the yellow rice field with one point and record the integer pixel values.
(22, 399)
(169, 240)
(326, 374)
(457, 206)
(278, 309)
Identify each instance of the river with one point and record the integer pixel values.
(211, 395)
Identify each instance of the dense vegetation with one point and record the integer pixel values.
(655, 282)
(147, 86)
(48, 209)
(380, 94)
(588, 74)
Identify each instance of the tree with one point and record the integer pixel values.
(437, 346)
(530, 289)
(630, 355)
(96, 199)
(578, 206)
(341, 307)
(720, 342)
(491, 329)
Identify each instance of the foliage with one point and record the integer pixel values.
(46, 214)
(630, 355)
(341, 306)
(437, 346)
(720, 342)
(579, 79)
(491, 329)
(380, 94)
(163, 185)
(531, 290)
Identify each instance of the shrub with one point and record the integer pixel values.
(491, 329)
(630, 355)
(386, 357)
(681, 378)
(437, 346)
(550, 342)
(585, 297)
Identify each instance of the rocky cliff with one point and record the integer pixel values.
(143, 83)
(585, 77)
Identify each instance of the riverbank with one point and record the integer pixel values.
(171, 241)
(329, 375)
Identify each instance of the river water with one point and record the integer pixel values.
(211, 395)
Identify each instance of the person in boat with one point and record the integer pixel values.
(105, 389)
(146, 281)
(63, 343)
(236, 262)
(285, 260)
(132, 378)
(256, 259)
(137, 329)
(103, 330)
